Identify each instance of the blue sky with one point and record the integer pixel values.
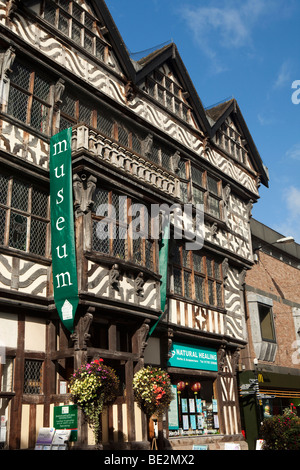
(248, 50)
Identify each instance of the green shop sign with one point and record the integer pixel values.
(193, 357)
(66, 417)
(62, 228)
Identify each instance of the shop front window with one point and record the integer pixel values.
(194, 409)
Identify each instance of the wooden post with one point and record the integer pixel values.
(130, 400)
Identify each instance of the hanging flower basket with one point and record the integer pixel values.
(93, 386)
(152, 390)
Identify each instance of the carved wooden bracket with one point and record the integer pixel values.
(81, 334)
(6, 62)
(84, 187)
(221, 357)
(58, 92)
(139, 284)
(129, 91)
(114, 277)
(175, 161)
(225, 268)
(170, 341)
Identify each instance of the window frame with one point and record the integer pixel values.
(124, 222)
(40, 382)
(189, 272)
(270, 315)
(168, 93)
(10, 211)
(31, 97)
(80, 22)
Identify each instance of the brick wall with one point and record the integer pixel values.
(272, 278)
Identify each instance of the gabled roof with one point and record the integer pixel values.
(115, 38)
(218, 115)
(170, 53)
(210, 120)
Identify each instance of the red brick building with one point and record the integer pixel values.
(272, 357)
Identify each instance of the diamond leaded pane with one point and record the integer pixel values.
(198, 196)
(38, 237)
(199, 288)
(165, 158)
(212, 185)
(197, 261)
(123, 136)
(101, 197)
(219, 295)
(85, 113)
(39, 116)
(177, 281)
(49, 13)
(76, 33)
(19, 197)
(3, 189)
(17, 231)
(100, 240)
(88, 22)
(105, 123)
(137, 251)
(39, 203)
(211, 297)
(214, 207)
(197, 176)
(64, 124)
(64, 4)
(63, 23)
(17, 104)
(2, 224)
(20, 75)
(88, 42)
(41, 87)
(187, 284)
(33, 375)
(148, 254)
(99, 49)
(68, 104)
(77, 12)
(119, 243)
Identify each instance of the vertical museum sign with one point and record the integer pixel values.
(62, 228)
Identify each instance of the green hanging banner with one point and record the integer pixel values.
(62, 228)
(163, 270)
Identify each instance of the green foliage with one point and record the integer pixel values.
(281, 432)
(93, 386)
(152, 390)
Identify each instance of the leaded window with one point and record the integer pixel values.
(29, 96)
(231, 141)
(33, 377)
(168, 93)
(76, 23)
(24, 215)
(197, 276)
(206, 190)
(121, 229)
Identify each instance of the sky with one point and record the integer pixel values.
(242, 49)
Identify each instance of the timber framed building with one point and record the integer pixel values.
(139, 130)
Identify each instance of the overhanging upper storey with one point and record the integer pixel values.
(231, 135)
